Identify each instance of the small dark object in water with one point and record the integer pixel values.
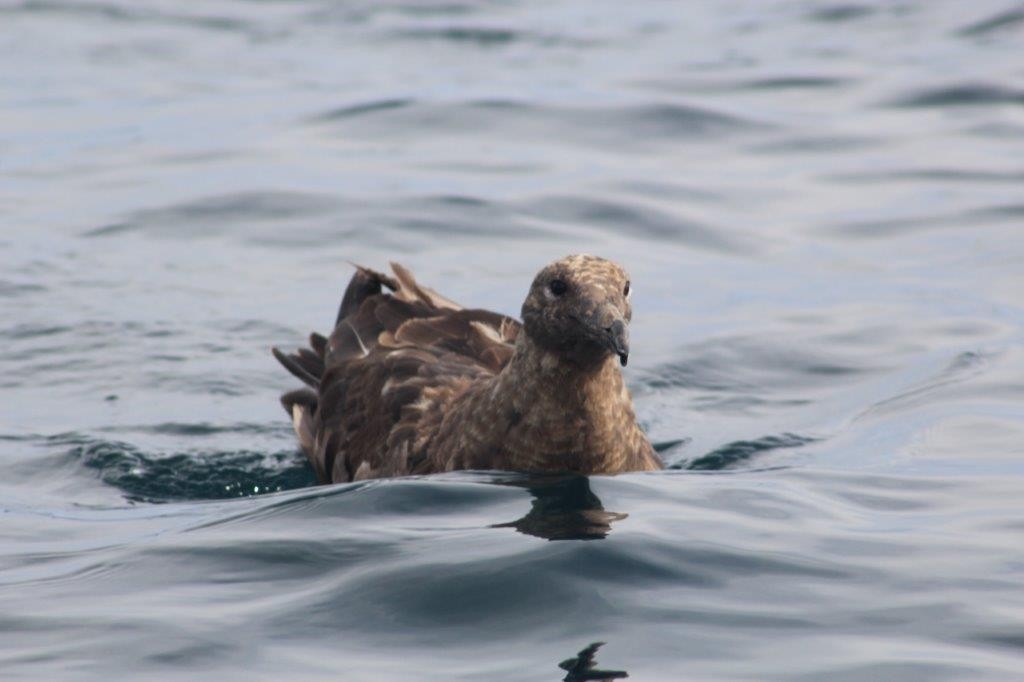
(581, 668)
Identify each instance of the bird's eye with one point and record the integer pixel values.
(558, 287)
(625, 290)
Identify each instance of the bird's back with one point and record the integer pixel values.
(379, 386)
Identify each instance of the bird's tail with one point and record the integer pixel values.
(308, 364)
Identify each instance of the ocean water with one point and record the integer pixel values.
(822, 208)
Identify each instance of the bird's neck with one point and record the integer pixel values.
(553, 379)
(568, 416)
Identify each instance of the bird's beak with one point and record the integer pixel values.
(618, 340)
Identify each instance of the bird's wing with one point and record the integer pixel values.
(382, 382)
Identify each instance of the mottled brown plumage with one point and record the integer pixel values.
(410, 382)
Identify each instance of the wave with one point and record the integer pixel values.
(147, 477)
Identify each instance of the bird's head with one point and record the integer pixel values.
(578, 307)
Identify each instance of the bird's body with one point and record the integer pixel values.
(411, 383)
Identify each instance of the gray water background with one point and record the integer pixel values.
(822, 209)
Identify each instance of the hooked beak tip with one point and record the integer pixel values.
(618, 340)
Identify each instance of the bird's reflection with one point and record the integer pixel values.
(581, 667)
(563, 508)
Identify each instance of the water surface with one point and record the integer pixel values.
(821, 206)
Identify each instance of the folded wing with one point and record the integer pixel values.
(378, 387)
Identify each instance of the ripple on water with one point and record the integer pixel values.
(750, 375)
(741, 452)
(118, 12)
(841, 12)
(11, 289)
(362, 109)
(794, 82)
(643, 221)
(962, 94)
(145, 477)
(220, 214)
(997, 23)
(481, 36)
(931, 175)
(637, 124)
(302, 221)
(995, 215)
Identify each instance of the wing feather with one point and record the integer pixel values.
(387, 373)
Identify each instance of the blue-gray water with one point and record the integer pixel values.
(822, 208)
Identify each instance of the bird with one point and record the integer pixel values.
(411, 383)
